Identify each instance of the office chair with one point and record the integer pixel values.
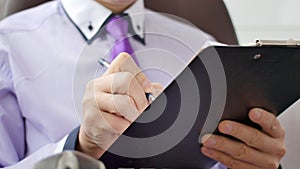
(209, 15)
(9, 7)
(69, 160)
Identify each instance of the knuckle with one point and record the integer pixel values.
(143, 81)
(255, 138)
(99, 100)
(281, 151)
(127, 76)
(130, 101)
(236, 131)
(242, 151)
(132, 105)
(127, 108)
(90, 85)
(89, 99)
(85, 101)
(141, 77)
(121, 82)
(121, 58)
(220, 143)
(116, 103)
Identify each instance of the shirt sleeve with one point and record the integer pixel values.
(12, 144)
(12, 127)
(72, 140)
(42, 153)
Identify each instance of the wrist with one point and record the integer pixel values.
(88, 146)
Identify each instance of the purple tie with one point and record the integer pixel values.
(118, 28)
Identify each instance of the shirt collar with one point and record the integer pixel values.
(89, 16)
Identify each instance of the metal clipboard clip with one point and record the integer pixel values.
(290, 43)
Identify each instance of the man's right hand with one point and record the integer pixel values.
(111, 103)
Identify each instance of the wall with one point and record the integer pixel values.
(267, 19)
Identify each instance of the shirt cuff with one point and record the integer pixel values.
(219, 166)
(60, 145)
(72, 140)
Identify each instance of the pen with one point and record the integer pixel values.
(106, 64)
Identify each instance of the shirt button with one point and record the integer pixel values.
(90, 27)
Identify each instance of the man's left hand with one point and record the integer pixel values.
(256, 150)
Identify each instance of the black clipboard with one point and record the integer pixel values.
(255, 76)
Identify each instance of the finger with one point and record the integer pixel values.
(113, 123)
(252, 137)
(124, 63)
(103, 122)
(121, 105)
(123, 83)
(158, 88)
(226, 159)
(237, 150)
(268, 122)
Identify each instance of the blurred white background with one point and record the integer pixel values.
(265, 19)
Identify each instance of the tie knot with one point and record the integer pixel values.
(117, 27)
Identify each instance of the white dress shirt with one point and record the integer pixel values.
(49, 53)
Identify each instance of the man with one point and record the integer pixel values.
(46, 59)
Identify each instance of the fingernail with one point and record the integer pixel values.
(228, 128)
(256, 115)
(209, 140)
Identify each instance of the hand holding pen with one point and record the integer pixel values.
(106, 64)
(112, 102)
